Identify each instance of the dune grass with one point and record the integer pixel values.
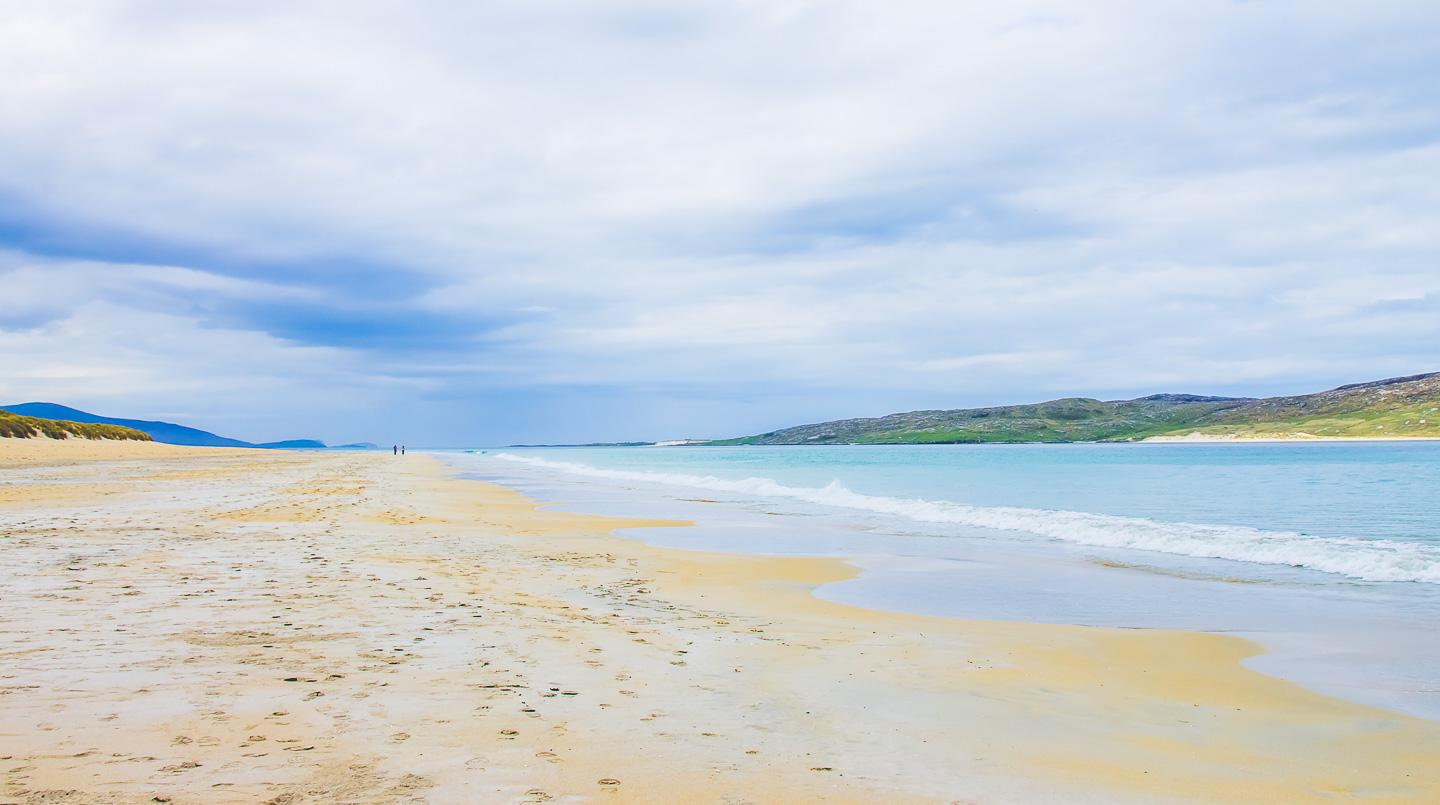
(29, 427)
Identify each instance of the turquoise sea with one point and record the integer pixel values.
(1328, 554)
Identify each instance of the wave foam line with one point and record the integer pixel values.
(1367, 559)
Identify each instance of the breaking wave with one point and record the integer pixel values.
(1366, 559)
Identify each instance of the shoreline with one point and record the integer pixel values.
(1365, 648)
(1169, 668)
(452, 638)
(1203, 439)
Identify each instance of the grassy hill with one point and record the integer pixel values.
(164, 432)
(1405, 406)
(1401, 406)
(167, 432)
(28, 427)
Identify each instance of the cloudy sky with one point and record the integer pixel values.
(479, 223)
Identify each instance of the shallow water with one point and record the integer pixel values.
(1326, 553)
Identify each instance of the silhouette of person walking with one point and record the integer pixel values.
(402, 449)
(395, 449)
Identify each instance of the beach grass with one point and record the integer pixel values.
(15, 426)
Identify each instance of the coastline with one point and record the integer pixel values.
(444, 610)
(1188, 439)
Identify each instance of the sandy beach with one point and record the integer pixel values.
(206, 625)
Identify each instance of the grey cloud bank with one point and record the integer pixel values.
(557, 221)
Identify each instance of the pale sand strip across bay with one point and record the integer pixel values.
(202, 625)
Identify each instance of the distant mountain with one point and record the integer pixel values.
(1401, 406)
(316, 444)
(588, 444)
(166, 432)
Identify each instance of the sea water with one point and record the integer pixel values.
(1328, 553)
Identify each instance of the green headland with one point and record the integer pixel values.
(1399, 407)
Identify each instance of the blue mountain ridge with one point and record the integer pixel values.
(166, 432)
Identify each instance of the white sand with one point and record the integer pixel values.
(259, 626)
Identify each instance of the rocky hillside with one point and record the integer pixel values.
(27, 427)
(1404, 406)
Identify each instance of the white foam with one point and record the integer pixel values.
(1367, 559)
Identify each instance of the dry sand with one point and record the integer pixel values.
(197, 625)
(41, 452)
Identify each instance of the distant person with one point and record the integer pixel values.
(402, 449)
(395, 449)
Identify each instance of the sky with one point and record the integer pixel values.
(478, 223)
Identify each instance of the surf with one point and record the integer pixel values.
(1372, 560)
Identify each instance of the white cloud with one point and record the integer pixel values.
(118, 340)
(36, 284)
(792, 196)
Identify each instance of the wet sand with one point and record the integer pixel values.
(199, 625)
